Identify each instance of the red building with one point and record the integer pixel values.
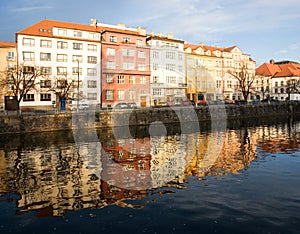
(125, 66)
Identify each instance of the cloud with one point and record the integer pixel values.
(33, 8)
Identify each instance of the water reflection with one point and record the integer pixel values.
(53, 175)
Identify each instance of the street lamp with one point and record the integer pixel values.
(78, 85)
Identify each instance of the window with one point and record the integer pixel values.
(142, 80)
(141, 54)
(62, 58)
(28, 42)
(170, 55)
(46, 43)
(75, 71)
(180, 68)
(128, 52)
(92, 59)
(77, 34)
(141, 67)
(109, 94)
(94, 36)
(155, 66)
(77, 58)
(91, 71)
(110, 65)
(28, 69)
(77, 46)
(92, 47)
(121, 79)
(229, 84)
(45, 97)
(62, 84)
(61, 70)
(155, 79)
(109, 78)
(45, 56)
(121, 94)
(92, 84)
(11, 55)
(131, 79)
(45, 83)
(28, 56)
(28, 97)
(219, 84)
(139, 42)
(11, 67)
(92, 96)
(155, 54)
(62, 32)
(45, 70)
(171, 79)
(276, 84)
(132, 94)
(126, 40)
(110, 52)
(170, 67)
(128, 66)
(62, 45)
(156, 92)
(112, 38)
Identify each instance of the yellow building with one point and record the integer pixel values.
(8, 59)
(201, 73)
(209, 69)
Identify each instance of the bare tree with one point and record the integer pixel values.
(245, 80)
(62, 88)
(21, 81)
(292, 86)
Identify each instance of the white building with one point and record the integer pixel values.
(62, 51)
(167, 63)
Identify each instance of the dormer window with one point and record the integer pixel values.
(77, 34)
(126, 39)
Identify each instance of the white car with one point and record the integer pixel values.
(81, 106)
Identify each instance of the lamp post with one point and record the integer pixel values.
(78, 85)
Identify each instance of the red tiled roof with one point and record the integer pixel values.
(8, 44)
(45, 28)
(279, 70)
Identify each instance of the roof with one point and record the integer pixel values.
(8, 44)
(279, 70)
(44, 28)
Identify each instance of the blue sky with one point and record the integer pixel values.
(265, 29)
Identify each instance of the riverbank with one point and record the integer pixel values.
(64, 121)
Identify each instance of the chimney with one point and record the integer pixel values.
(272, 61)
(94, 22)
(159, 34)
(121, 25)
(152, 33)
(169, 36)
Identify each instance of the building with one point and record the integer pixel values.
(209, 71)
(278, 80)
(167, 61)
(125, 65)
(200, 72)
(68, 57)
(8, 61)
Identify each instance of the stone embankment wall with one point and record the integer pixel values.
(175, 115)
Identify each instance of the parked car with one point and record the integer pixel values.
(162, 104)
(202, 103)
(188, 103)
(81, 106)
(121, 105)
(132, 105)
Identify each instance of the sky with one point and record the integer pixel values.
(264, 29)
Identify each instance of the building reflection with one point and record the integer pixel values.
(55, 178)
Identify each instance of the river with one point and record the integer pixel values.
(241, 179)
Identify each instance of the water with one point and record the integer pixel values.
(240, 180)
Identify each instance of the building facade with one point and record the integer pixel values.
(278, 80)
(167, 62)
(8, 62)
(68, 56)
(125, 66)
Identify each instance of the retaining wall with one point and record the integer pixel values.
(139, 117)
